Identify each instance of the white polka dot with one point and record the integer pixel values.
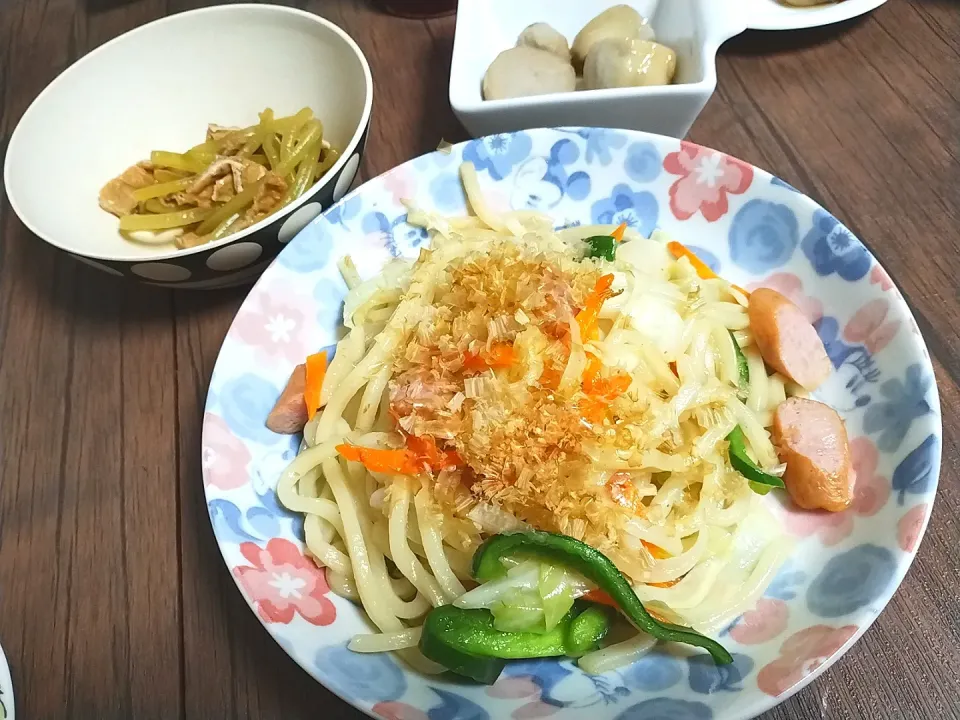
(298, 221)
(235, 256)
(346, 178)
(161, 272)
(241, 277)
(99, 266)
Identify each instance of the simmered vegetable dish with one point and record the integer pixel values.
(232, 180)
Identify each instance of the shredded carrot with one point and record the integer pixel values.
(398, 462)
(427, 453)
(673, 369)
(658, 552)
(316, 372)
(607, 388)
(588, 317)
(679, 250)
(601, 597)
(618, 233)
(550, 378)
(500, 355)
(591, 375)
(593, 410)
(668, 584)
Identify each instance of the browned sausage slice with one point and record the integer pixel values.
(289, 415)
(812, 440)
(786, 339)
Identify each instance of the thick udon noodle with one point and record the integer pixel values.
(724, 548)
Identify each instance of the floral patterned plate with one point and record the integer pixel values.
(749, 226)
(6, 690)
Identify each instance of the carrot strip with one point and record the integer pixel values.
(426, 451)
(592, 410)
(397, 462)
(588, 317)
(667, 584)
(550, 378)
(501, 355)
(316, 372)
(600, 597)
(658, 552)
(679, 250)
(619, 232)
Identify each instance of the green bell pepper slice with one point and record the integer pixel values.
(597, 568)
(761, 482)
(602, 246)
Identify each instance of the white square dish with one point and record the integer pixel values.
(695, 29)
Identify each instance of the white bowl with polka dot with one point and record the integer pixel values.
(158, 87)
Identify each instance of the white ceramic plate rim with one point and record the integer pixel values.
(800, 18)
(6, 685)
(289, 209)
(763, 703)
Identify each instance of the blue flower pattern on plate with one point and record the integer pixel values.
(329, 295)
(343, 212)
(916, 473)
(654, 672)
(310, 250)
(498, 154)
(542, 182)
(583, 176)
(851, 581)
(245, 402)
(455, 707)
(904, 401)
(446, 190)
(639, 209)
(831, 248)
(709, 259)
(763, 236)
(600, 142)
(371, 677)
(643, 163)
(667, 709)
(707, 677)
(398, 237)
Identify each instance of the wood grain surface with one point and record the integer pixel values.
(114, 601)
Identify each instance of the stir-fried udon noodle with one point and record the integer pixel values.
(529, 412)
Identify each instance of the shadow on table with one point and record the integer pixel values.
(771, 42)
(439, 122)
(45, 276)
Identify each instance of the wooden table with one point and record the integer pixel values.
(114, 601)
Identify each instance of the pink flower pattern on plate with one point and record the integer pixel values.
(224, 456)
(870, 494)
(878, 276)
(398, 711)
(705, 179)
(763, 623)
(867, 326)
(801, 654)
(790, 286)
(519, 688)
(401, 184)
(281, 581)
(275, 324)
(908, 529)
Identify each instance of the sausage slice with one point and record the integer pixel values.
(786, 339)
(289, 415)
(812, 440)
